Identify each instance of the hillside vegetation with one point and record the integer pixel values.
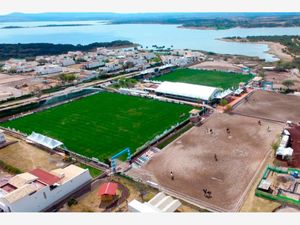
(8, 51)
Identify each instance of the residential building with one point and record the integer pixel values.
(39, 190)
(48, 69)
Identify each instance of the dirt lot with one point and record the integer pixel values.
(27, 157)
(278, 77)
(191, 158)
(12, 80)
(217, 65)
(271, 105)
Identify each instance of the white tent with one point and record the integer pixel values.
(284, 152)
(188, 90)
(44, 140)
(284, 141)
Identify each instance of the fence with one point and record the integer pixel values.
(44, 104)
(279, 198)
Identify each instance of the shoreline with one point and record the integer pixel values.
(196, 28)
(275, 48)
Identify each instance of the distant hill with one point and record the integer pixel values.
(8, 51)
(204, 20)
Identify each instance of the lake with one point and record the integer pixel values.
(144, 34)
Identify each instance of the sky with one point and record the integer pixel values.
(140, 6)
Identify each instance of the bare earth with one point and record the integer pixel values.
(13, 79)
(217, 65)
(277, 49)
(239, 157)
(27, 157)
(271, 105)
(278, 77)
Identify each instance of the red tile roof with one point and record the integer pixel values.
(45, 177)
(108, 189)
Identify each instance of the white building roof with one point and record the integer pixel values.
(188, 90)
(159, 203)
(136, 206)
(284, 151)
(284, 141)
(21, 192)
(44, 140)
(68, 173)
(223, 94)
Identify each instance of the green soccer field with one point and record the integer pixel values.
(103, 124)
(218, 79)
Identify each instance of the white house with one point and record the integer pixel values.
(38, 190)
(93, 64)
(48, 69)
(66, 61)
(19, 66)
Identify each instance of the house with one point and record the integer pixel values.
(108, 191)
(93, 64)
(39, 190)
(48, 69)
(19, 66)
(65, 61)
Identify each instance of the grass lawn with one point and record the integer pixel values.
(103, 124)
(219, 79)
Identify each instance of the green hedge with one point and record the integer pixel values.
(278, 198)
(9, 168)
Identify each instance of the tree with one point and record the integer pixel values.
(288, 83)
(67, 77)
(261, 74)
(223, 102)
(228, 108)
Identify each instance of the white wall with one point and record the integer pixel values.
(37, 202)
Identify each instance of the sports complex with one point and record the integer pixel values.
(210, 78)
(224, 162)
(103, 124)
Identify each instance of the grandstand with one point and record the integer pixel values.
(44, 140)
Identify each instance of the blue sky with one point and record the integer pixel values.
(125, 6)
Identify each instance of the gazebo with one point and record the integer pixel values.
(108, 191)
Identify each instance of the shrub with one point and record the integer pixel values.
(9, 168)
(72, 201)
(223, 102)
